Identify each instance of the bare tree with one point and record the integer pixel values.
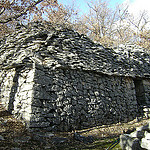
(108, 26)
(12, 11)
(98, 18)
(144, 39)
(140, 21)
(113, 27)
(56, 13)
(101, 24)
(24, 11)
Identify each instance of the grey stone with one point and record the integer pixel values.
(83, 139)
(1, 138)
(129, 143)
(137, 134)
(15, 148)
(144, 128)
(43, 134)
(59, 140)
(22, 139)
(39, 124)
(136, 140)
(145, 142)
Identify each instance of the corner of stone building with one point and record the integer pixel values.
(17, 91)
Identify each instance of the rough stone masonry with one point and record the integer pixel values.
(53, 78)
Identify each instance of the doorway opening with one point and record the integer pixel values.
(140, 92)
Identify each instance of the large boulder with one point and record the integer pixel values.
(137, 140)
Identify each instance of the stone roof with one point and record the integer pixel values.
(59, 47)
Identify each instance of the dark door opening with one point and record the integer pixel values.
(140, 93)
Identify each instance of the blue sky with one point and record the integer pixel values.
(82, 4)
(135, 6)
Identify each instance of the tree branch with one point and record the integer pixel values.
(19, 14)
(2, 11)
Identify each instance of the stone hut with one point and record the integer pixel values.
(53, 78)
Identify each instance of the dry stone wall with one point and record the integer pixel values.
(56, 46)
(73, 99)
(17, 90)
(56, 79)
(7, 77)
(146, 84)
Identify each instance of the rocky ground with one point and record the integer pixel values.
(14, 136)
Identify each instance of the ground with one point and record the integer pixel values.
(14, 136)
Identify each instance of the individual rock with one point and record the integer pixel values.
(15, 148)
(129, 143)
(44, 134)
(137, 134)
(136, 140)
(83, 139)
(145, 142)
(144, 128)
(59, 140)
(22, 139)
(1, 138)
